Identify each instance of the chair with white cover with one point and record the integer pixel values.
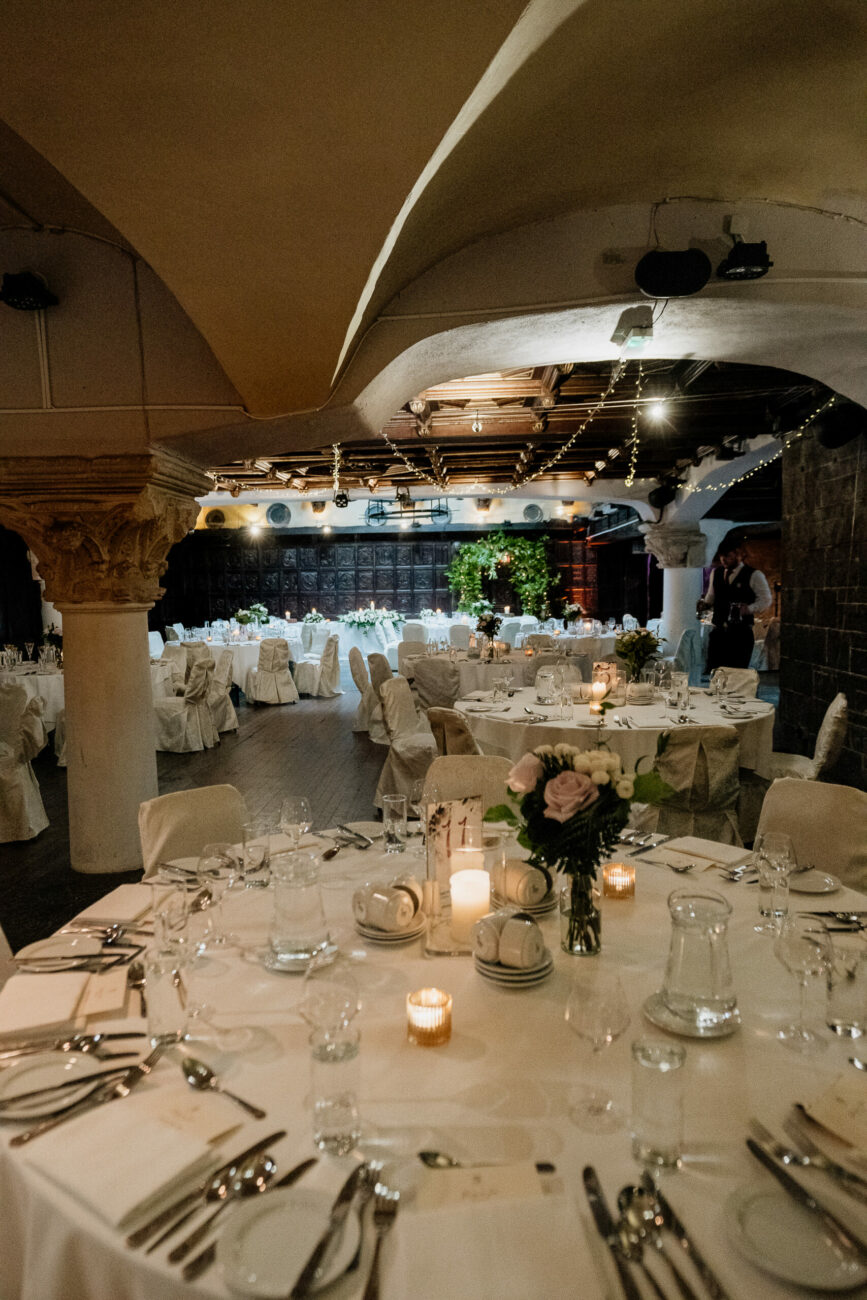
(829, 744)
(770, 660)
(689, 656)
(179, 825)
(388, 627)
(654, 625)
(222, 708)
(451, 733)
(741, 681)
(461, 776)
(296, 649)
(701, 766)
(155, 645)
(320, 676)
(270, 682)
(510, 630)
(828, 829)
(408, 651)
(388, 641)
(196, 652)
(412, 747)
(319, 639)
(380, 671)
(459, 636)
(184, 723)
(368, 716)
(414, 632)
(540, 641)
(22, 736)
(176, 656)
(436, 682)
(630, 623)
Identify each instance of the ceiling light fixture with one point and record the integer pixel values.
(477, 424)
(745, 261)
(26, 291)
(656, 408)
(483, 505)
(673, 273)
(318, 507)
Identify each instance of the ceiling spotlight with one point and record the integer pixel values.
(483, 505)
(476, 425)
(255, 530)
(318, 507)
(326, 528)
(745, 261)
(589, 475)
(656, 408)
(341, 500)
(613, 453)
(600, 465)
(26, 291)
(235, 490)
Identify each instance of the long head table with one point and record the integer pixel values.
(500, 1090)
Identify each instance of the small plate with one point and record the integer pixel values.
(813, 882)
(659, 1014)
(547, 904)
(60, 952)
(267, 1242)
(45, 1070)
(518, 979)
(480, 708)
(787, 1240)
(419, 925)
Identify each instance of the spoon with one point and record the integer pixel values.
(642, 1217)
(681, 870)
(859, 1065)
(632, 1249)
(439, 1160)
(202, 1077)
(247, 1180)
(135, 978)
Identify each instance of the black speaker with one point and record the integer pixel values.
(672, 274)
(840, 424)
(662, 496)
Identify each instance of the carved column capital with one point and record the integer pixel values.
(101, 529)
(676, 546)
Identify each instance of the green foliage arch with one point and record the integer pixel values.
(529, 570)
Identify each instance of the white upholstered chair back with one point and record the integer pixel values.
(199, 681)
(273, 655)
(380, 670)
(398, 708)
(179, 825)
(7, 966)
(223, 664)
(358, 669)
(319, 640)
(741, 681)
(329, 668)
(832, 733)
(451, 733)
(436, 682)
(176, 656)
(414, 632)
(13, 702)
(510, 630)
(296, 648)
(459, 636)
(828, 826)
(460, 776)
(701, 766)
(22, 735)
(155, 645)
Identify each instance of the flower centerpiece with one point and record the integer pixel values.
(313, 617)
(260, 614)
(427, 613)
(243, 616)
(572, 806)
(571, 611)
(488, 625)
(365, 619)
(51, 636)
(636, 649)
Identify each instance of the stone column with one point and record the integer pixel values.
(101, 531)
(680, 551)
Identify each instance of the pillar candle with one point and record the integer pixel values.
(471, 900)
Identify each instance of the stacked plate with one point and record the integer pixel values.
(509, 977)
(417, 927)
(545, 905)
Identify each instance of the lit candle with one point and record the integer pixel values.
(598, 692)
(439, 611)
(428, 1017)
(618, 880)
(371, 605)
(507, 609)
(313, 610)
(528, 651)
(288, 614)
(471, 899)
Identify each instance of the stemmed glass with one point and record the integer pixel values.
(28, 646)
(804, 948)
(774, 859)
(295, 819)
(718, 682)
(418, 804)
(218, 870)
(598, 1013)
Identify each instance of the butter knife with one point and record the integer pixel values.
(336, 1220)
(679, 1232)
(112, 1091)
(845, 1238)
(607, 1231)
(203, 1261)
(356, 835)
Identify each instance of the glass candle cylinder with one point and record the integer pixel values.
(471, 900)
(428, 1017)
(618, 880)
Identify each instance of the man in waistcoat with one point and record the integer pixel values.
(735, 593)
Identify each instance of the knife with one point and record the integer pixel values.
(845, 1238)
(56, 1087)
(196, 1267)
(195, 1194)
(111, 1091)
(356, 835)
(607, 1230)
(676, 1227)
(336, 1220)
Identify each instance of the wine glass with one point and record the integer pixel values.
(774, 860)
(28, 646)
(718, 682)
(329, 998)
(295, 819)
(218, 870)
(257, 854)
(804, 948)
(598, 1013)
(418, 804)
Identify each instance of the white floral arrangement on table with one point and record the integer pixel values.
(427, 613)
(243, 616)
(313, 617)
(255, 614)
(365, 619)
(571, 611)
(637, 649)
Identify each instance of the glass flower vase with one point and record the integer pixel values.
(580, 918)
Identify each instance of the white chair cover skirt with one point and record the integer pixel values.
(184, 723)
(179, 825)
(271, 681)
(320, 676)
(414, 632)
(22, 736)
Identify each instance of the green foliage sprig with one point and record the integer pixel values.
(529, 569)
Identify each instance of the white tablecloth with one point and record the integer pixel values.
(499, 1091)
(510, 732)
(47, 686)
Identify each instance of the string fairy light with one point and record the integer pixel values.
(633, 455)
(335, 447)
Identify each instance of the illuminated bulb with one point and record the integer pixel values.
(326, 528)
(255, 530)
(657, 409)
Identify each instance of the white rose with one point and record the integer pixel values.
(599, 777)
(544, 751)
(625, 789)
(597, 757)
(564, 752)
(581, 763)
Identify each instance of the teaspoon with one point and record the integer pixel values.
(202, 1077)
(248, 1180)
(639, 1212)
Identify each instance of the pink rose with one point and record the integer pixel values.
(567, 794)
(525, 774)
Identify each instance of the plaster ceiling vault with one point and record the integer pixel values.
(342, 206)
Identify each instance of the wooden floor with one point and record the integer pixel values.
(306, 748)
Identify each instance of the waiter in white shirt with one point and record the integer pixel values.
(735, 593)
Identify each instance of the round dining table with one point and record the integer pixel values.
(630, 730)
(498, 1092)
(46, 686)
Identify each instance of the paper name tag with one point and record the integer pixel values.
(201, 1115)
(443, 1187)
(842, 1109)
(105, 994)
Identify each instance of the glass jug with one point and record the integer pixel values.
(298, 928)
(697, 987)
(545, 686)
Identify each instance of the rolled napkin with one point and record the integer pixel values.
(485, 935)
(408, 882)
(519, 882)
(385, 907)
(521, 944)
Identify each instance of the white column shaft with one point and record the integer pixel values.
(110, 732)
(681, 588)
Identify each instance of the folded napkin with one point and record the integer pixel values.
(142, 1159)
(729, 855)
(512, 940)
(41, 1003)
(126, 903)
(506, 1248)
(485, 935)
(478, 695)
(840, 1109)
(386, 907)
(519, 882)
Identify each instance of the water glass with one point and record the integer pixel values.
(774, 859)
(295, 819)
(257, 855)
(394, 822)
(166, 1014)
(298, 927)
(334, 1076)
(657, 1103)
(847, 994)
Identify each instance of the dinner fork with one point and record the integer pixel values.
(385, 1208)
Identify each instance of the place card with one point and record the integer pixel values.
(442, 1187)
(842, 1109)
(105, 994)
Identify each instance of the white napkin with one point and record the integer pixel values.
(519, 882)
(41, 1003)
(119, 1159)
(510, 1249)
(478, 695)
(126, 903)
(485, 935)
(729, 855)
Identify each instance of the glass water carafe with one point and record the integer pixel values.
(697, 987)
(298, 929)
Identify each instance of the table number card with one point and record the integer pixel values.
(447, 824)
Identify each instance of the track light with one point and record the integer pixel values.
(745, 261)
(341, 500)
(26, 291)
